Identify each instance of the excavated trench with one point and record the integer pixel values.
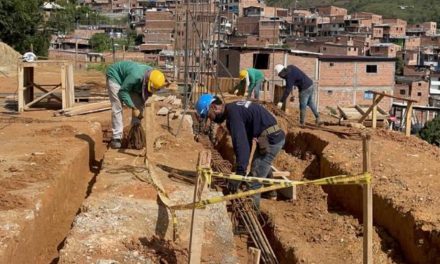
(58, 183)
(323, 224)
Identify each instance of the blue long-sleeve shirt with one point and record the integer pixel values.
(246, 120)
(295, 77)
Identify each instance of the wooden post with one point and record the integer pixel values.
(254, 255)
(20, 88)
(367, 204)
(64, 91)
(408, 118)
(374, 113)
(149, 127)
(197, 219)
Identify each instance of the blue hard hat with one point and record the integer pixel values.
(202, 105)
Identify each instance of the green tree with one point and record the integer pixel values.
(21, 25)
(100, 42)
(431, 131)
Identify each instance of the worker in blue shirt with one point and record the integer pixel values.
(246, 121)
(295, 77)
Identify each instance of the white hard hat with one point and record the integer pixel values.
(29, 57)
(279, 68)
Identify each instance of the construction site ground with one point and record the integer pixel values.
(65, 197)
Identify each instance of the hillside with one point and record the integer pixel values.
(413, 11)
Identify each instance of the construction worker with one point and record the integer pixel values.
(252, 81)
(246, 121)
(130, 83)
(295, 77)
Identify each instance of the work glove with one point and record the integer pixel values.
(136, 113)
(233, 186)
(279, 105)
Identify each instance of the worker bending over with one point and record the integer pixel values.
(295, 77)
(246, 121)
(252, 81)
(130, 83)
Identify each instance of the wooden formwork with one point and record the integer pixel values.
(26, 84)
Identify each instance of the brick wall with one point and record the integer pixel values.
(346, 82)
(412, 43)
(332, 11)
(420, 92)
(248, 25)
(338, 50)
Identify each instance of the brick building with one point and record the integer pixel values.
(331, 11)
(389, 50)
(338, 49)
(341, 80)
(423, 29)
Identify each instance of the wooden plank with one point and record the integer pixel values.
(370, 108)
(69, 114)
(46, 91)
(40, 98)
(409, 107)
(70, 86)
(393, 96)
(63, 86)
(289, 192)
(20, 88)
(367, 204)
(374, 113)
(254, 255)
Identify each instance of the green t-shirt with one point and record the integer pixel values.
(129, 75)
(254, 77)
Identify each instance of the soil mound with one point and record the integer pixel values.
(8, 58)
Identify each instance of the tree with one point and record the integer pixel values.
(100, 42)
(431, 131)
(21, 25)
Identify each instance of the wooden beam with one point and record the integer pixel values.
(40, 98)
(46, 91)
(393, 96)
(375, 103)
(367, 204)
(409, 107)
(254, 255)
(20, 88)
(374, 114)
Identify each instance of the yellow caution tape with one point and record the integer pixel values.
(280, 184)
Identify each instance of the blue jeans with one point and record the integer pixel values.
(306, 98)
(256, 90)
(261, 166)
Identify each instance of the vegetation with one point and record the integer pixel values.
(413, 11)
(100, 42)
(431, 131)
(21, 26)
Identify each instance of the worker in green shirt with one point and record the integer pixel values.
(130, 83)
(252, 80)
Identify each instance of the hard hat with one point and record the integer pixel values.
(29, 57)
(202, 105)
(279, 68)
(243, 74)
(156, 80)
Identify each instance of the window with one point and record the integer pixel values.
(227, 61)
(371, 69)
(402, 92)
(419, 84)
(419, 94)
(332, 64)
(329, 92)
(261, 61)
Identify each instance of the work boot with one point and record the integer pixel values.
(318, 121)
(116, 143)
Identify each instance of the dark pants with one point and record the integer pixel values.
(261, 166)
(306, 98)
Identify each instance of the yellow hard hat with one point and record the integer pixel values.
(156, 80)
(243, 74)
